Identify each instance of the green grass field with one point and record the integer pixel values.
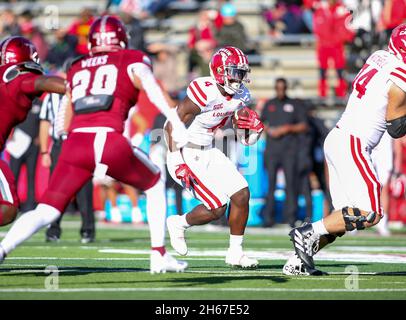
(116, 267)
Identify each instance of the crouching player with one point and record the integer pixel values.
(377, 103)
(204, 170)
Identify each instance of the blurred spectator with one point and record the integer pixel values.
(308, 6)
(32, 32)
(165, 66)
(143, 9)
(136, 8)
(365, 23)
(331, 31)
(113, 4)
(203, 31)
(305, 162)
(205, 49)
(80, 29)
(64, 48)
(393, 14)
(134, 30)
(284, 118)
(25, 135)
(232, 33)
(286, 18)
(8, 24)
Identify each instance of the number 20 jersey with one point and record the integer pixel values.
(106, 73)
(365, 113)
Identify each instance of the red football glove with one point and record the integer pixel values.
(251, 122)
(184, 174)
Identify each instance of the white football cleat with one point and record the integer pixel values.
(162, 264)
(177, 234)
(295, 267)
(239, 259)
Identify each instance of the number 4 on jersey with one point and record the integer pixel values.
(362, 79)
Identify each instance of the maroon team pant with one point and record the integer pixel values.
(8, 192)
(76, 165)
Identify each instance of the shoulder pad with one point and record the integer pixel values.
(14, 71)
(31, 66)
(70, 62)
(398, 76)
(202, 91)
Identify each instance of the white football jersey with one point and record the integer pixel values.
(216, 109)
(365, 112)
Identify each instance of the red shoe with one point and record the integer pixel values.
(341, 90)
(323, 88)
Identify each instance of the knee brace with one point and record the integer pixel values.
(355, 220)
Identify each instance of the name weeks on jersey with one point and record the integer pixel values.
(94, 62)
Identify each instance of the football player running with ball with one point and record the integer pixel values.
(102, 86)
(376, 104)
(204, 170)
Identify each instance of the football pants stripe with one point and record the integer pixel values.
(364, 175)
(202, 195)
(372, 175)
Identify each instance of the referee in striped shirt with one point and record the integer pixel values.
(52, 116)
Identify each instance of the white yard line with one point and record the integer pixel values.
(189, 289)
(285, 254)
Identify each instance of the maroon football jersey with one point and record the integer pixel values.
(16, 98)
(103, 78)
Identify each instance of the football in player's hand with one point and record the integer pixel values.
(245, 136)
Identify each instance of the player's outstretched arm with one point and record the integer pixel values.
(396, 112)
(50, 84)
(187, 110)
(143, 79)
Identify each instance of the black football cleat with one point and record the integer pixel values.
(306, 244)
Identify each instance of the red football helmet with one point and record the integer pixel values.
(107, 33)
(397, 42)
(229, 68)
(16, 50)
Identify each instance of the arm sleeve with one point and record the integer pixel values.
(153, 90)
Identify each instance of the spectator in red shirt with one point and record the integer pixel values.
(80, 28)
(393, 14)
(203, 31)
(32, 32)
(331, 32)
